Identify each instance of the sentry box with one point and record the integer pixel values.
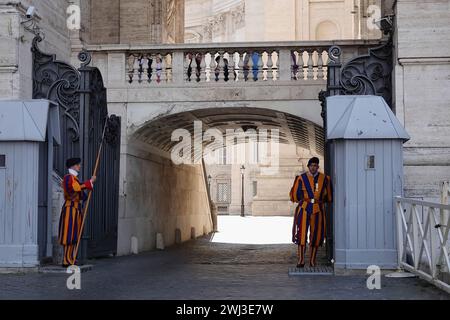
(29, 130)
(366, 154)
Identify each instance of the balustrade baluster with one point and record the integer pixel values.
(310, 71)
(130, 67)
(301, 63)
(188, 67)
(159, 68)
(136, 67)
(319, 65)
(325, 64)
(231, 67)
(212, 67)
(240, 71)
(226, 66)
(250, 64)
(236, 66)
(149, 68)
(168, 67)
(221, 66)
(275, 66)
(260, 66)
(203, 75)
(295, 66)
(143, 65)
(198, 68)
(139, 69)
(269, 72)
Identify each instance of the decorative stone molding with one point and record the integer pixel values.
(238, 16)
(217, 24)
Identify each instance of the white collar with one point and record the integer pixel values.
(311, 175)
(73, 172)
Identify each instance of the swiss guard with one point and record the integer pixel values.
(71, 212)
(311, 190)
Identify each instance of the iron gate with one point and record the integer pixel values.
(81, 97)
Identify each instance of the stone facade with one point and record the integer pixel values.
(15, 53)
(135, 21)
(214, 21)
(272, 196)
(281, 20)
(160, 197)
(265, 193)
(422, 79)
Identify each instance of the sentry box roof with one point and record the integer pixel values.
(362, 117)
(27, 120)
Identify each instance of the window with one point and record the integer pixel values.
(255, 188)
(370, 162)
(223, 192)
(2, 161)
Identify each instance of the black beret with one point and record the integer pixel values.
(72, 161)
(313, 160)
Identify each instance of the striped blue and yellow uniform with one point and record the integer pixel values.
(311, 193)
(71, 215)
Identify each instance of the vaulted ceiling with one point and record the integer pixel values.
(292, 129)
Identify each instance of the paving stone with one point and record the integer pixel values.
(201, 269)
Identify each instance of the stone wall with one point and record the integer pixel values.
(272, 196)
(160, 197)
(136, 21)
(15, 42)
(155, 196)
(105, 21)
(422, 76)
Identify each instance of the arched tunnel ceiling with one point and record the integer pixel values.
(292, 129)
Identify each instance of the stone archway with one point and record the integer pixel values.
(162, 197)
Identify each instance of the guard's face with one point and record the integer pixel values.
(313, 168)
(77, 167)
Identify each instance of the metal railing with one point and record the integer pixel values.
(423, 239)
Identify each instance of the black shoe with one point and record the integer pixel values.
(65, 265)
(300, 265)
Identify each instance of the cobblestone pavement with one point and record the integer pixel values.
(204, 270)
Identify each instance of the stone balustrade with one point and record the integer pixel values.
(227, 63)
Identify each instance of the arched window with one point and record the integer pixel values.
(327, 30)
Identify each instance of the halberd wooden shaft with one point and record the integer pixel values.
(97, 162)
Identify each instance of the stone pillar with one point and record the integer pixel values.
(136, 21)
(173, 21)
(104, 22)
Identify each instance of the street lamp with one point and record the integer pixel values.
(242, 195)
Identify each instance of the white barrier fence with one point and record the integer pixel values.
(423, 240)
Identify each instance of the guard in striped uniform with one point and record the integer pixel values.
(311, 191)
(71, 212)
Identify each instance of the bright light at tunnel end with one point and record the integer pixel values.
(264, 147)
(270, 230)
